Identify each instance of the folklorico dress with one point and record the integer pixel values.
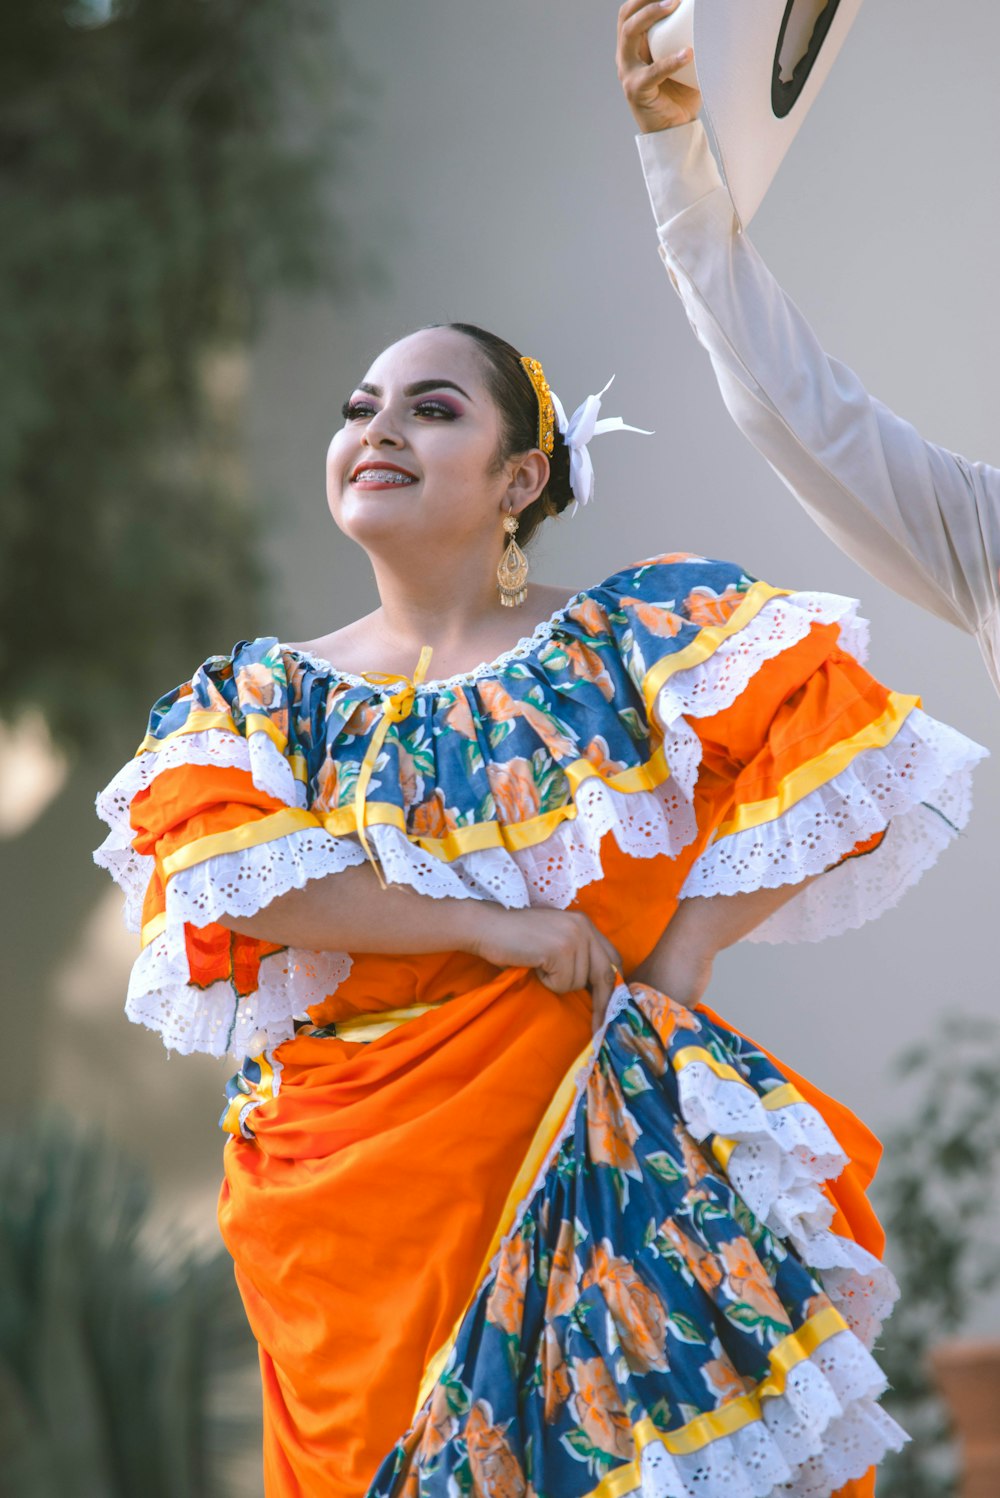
(483, 1252)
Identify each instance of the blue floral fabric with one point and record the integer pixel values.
(637, 1297)
(493, 747)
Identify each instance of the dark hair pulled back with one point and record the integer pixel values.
(515, 399)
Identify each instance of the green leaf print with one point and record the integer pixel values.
(580, 1446)
(473, 757)
(684, 1329)
(499, 732)
(663, 1166)
(634, 723)
(635, 1081)
(661, 1415)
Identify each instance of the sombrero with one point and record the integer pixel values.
(760, 65)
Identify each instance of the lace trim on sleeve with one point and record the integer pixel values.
(271, 772)
(716, 683)
(920, 783)
(216, 1019)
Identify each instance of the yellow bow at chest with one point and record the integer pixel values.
(396, 708)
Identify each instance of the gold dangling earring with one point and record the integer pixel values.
(512, 573)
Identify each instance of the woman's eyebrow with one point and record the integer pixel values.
(421, 387)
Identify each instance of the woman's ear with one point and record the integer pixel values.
(527, 481)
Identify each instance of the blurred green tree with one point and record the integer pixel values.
(126, 1367)
(937, 1194)
(164, 169)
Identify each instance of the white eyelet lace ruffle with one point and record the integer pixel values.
(130, 870)
(216, 1020)
(921, 783)
(824, 1431)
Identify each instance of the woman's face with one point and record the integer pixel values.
(415, 461)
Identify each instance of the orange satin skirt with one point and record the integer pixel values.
(360, 1218)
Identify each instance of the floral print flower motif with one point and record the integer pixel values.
(564, 1273)
(658, 619)
(647, 1047)
(748, 1283)
(611, 1129)
(598, 1410)
(458, 717)
(327, 782)
(587, 665)
(664, 1014)
(505, 1307)
(703, 1265)
(514, 789)
(411, 781)
(432, 818)
(501, 707)
(556, 1386)
(696, 1166)
(496, 1471)
(705, 607)
(589, 615)
(442, 1422)
(724, 1381)
(598, 754)
(639, 1315)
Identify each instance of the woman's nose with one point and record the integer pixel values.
(380, 432)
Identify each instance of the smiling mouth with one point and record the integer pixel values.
(391, 476)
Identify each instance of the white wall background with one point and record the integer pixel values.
(495, 179)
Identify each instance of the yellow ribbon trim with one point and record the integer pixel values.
(361, 1029)
(545, 1134)
(707, 641)
(205, 720)
(516, 836)
(722, 1149)
(250, 835)
(738, 1413)
(808, 777)
(397, 707)
(263, 1092)
(153, 928)
(511, 835)
(692, 1053)
(785, 1096)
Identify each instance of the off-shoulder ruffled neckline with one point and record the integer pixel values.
(525, 647)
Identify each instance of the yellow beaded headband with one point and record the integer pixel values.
(546, 409)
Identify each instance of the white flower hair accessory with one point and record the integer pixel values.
(579, 431)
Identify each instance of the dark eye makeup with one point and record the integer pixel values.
(357, 410)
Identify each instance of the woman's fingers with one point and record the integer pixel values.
(635, 20)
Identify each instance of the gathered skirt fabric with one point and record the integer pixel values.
(487, 1255)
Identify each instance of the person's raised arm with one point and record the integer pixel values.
(919, 518)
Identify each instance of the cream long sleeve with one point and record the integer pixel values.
(921, 519)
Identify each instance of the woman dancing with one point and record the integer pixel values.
(510, 1215)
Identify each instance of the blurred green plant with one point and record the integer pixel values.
(164, 169)
(937, 1195)
(126, 1367)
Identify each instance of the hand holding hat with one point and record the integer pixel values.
(760, 67)
(657, 95)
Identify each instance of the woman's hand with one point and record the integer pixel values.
(565, 949)
(656, 101)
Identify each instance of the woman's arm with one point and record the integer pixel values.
(919, 518)
(348, 911)
(680, 965)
